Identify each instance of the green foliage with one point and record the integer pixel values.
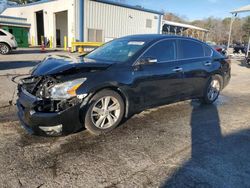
(24, 1)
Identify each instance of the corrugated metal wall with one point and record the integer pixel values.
(116, 21)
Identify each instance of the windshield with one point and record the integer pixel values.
(116, 50)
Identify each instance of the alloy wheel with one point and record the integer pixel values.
(4, 49)
(214, 90)
(105, 112)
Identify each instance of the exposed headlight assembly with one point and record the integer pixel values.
(66, 90)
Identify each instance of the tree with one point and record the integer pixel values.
(246, 29)
(219, 29)
(24, 1)
(174, 17)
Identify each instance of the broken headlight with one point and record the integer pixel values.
(66, 90)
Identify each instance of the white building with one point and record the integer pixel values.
(85, 20)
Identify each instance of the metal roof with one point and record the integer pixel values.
(12, 17)
(14, 24)
(14, 21)
(128, 6)
(183, 25)
(242, 9)
(101, 1)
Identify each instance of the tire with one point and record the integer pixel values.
(104, 112)
(247, 62)
(4, 49)
(212, 90)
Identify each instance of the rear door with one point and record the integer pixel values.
(162, 80)
(195, 59)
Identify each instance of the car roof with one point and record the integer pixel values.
(155, 37)
(4, 31)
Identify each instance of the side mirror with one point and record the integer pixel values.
(151, 61)
(147, 61)
(144, 61)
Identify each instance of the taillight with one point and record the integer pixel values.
(218, 49)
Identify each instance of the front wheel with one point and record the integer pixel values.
(105, 112)
(212, 90)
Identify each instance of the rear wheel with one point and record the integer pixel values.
(105, 112)
(4, 48)
(212, 90)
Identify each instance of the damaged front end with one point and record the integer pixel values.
(48, 103)
(49, 106)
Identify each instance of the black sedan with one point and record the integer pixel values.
(123, 77)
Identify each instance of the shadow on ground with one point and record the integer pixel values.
(33, 51)
(216, 160)
(6, 65)
(243, 63)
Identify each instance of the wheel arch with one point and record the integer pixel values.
(220, 77)
(4, 42)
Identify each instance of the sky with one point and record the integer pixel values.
(194, 9)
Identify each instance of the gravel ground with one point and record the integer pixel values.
(179, 145)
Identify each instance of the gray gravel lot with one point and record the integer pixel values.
(179, 145)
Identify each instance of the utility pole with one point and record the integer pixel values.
(230, 30)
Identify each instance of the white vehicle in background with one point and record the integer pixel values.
(7, 42)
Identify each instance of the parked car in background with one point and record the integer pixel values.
(222, 49)
(121, 78)
(7, 42)
(240, 48)
(247, 60)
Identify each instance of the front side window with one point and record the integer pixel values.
(117, 50)
(190, 49)
(162, 51)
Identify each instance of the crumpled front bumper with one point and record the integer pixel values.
(47, 123)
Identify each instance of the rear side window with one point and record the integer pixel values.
(190, 49)
(2, 33)
(162, 51)
(207, 51)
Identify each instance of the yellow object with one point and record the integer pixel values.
(72, 91)
(65, 43)
(80, 50)
(72, 47)
(82, 45)
(87, 44)
(51, 42)
(32, 41)
(42, 39)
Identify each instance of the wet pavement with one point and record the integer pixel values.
(180, 145)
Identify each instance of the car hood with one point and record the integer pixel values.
(55, 65)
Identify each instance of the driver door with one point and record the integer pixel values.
(163, 79)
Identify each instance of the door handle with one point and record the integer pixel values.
(208, 64)
(178, 69)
